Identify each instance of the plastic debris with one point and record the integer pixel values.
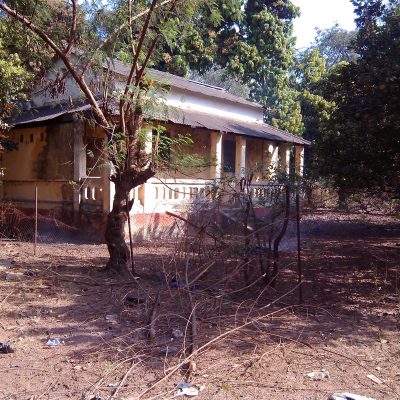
(112, 318)
(375, 379)
(5, 348)
(14, 276)
(186, 389)
(348, 396)
(177, 333)
(183, 385)
(318, 375)
(4, 264)
(29, 273)
(54, 342)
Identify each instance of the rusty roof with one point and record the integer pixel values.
(192, 118)
(168, 79)
(259, 130)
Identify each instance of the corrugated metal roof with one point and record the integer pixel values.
(47, 113)
(197, 119)
(191, 118)
(183, 83)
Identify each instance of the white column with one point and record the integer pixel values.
(240, 167)
(106, 188)
(284, 157)
(147, 190)
(79, 161)
(216, 155)
(271, 159)
(299, 160)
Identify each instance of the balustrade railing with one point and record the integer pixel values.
(91, 191)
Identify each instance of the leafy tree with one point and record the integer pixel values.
(361, 150)
(310, 75)
(149, 25)
(261, 51)
(12, 82)
(334, 45)
(248, 40)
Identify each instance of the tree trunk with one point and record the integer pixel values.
(277, 241)
(115, 232)
(134, 171)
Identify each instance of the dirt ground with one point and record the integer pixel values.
(257, 343)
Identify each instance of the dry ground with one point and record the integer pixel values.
(348, 325)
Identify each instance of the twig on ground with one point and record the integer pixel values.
(116, 390)
(212, 341)
(152, 317)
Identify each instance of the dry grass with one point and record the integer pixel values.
(252, 341)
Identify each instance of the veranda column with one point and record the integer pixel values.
(284, 157)
(216, 156)
(271, 159)
(240, 167)
(149, 201)
(79, 162)
(299, 160)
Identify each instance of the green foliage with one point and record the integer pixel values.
(12, 82)
(334, 45)
(361, 148)
(54, 16)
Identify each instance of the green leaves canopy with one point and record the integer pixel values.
(361, 147)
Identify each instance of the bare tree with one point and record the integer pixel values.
(146, 25)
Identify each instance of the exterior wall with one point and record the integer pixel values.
(193, 101)
(255, 158)
(42, 97)
(175, 97)
(52, 156)
(44, 158)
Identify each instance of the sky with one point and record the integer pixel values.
(322, 14)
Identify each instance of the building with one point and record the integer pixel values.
(59, 152)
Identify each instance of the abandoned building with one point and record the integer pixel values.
(59, 152)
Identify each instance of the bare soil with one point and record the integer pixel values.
(257, 343)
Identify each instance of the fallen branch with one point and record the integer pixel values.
(152, 317)
(116, 390)
(214, 340)
(192, 317)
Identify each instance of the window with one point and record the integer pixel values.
(229, 155)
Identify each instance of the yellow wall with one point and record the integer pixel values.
(44, 158)
(201, 147)
(255, 158)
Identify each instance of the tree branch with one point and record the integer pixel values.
(73, 28)
(117, 31)
(140, 45)
(99, 116)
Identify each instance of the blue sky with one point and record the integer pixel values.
(321, 14)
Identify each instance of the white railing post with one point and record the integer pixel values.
(79, 161)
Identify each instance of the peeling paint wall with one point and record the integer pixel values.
(44, 158)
